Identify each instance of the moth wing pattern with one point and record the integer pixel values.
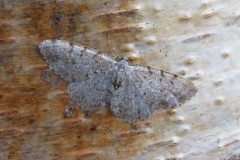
(133, 92)
(128, 104)
(145, 89)
(161, 89)
(74, 62)
(94, 93)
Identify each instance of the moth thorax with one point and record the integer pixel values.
(120, 73)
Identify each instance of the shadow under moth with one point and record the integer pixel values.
(133, 92)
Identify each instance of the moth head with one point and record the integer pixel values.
(122, 64)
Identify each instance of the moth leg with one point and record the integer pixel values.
(68, 111)
(88, 114)
(133, 126)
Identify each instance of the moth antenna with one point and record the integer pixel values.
(133, 126)
(116, 54)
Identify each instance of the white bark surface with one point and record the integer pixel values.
(198, 39)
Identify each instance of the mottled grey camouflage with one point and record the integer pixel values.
(97, 81)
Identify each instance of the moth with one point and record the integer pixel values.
(97, 81)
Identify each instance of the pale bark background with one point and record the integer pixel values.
(197, 39)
